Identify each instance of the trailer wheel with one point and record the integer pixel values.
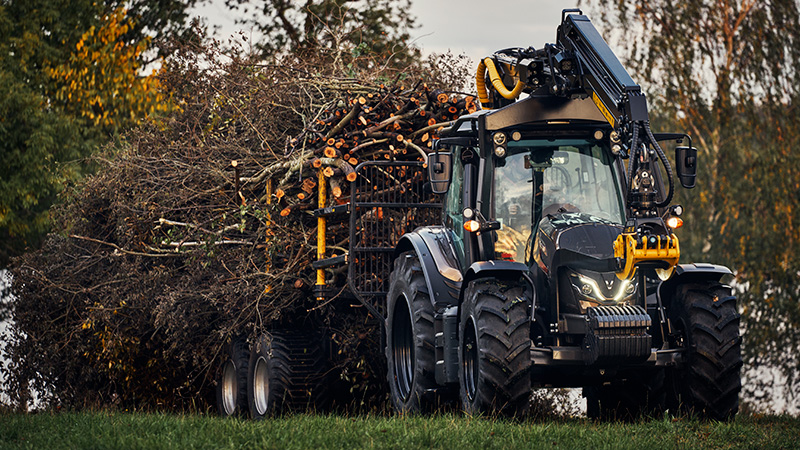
(232, 379)
(707, 325)
(268, 376)
(287, 371)
(494, 356)
(410, 338)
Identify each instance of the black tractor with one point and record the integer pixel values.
(555, 263)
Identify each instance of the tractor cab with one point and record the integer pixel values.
(545, 183)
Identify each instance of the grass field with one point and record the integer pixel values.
(155, 431)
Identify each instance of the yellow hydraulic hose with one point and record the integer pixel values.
(497, 83)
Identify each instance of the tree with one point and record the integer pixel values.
(728, 72)
(379, 27)
(70, 79)
(100, 81)
(38, 146)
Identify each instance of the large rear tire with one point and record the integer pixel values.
(494, 356)
(707, 324)
(410, 338)
(232, 379)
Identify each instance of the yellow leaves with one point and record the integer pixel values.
(102, 80)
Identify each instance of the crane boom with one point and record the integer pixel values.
(611, 87)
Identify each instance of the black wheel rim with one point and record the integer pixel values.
(469, 359)
(403, 349)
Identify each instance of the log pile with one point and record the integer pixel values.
(369, 123)
(197, 227)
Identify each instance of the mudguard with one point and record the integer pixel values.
(442, 275)
(691, 273)
(498, 269)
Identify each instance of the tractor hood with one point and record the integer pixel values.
(581, 236)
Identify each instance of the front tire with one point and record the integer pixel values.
(410, 338)
(494, 356)
(707, 325)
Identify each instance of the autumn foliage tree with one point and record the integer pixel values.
(728, 72)
(69, 79)
(101, 80)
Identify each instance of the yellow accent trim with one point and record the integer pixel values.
(633, 249)
(321, 226)
(603, 110)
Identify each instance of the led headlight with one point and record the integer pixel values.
(589, 292)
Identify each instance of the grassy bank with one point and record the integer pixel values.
(153, 431)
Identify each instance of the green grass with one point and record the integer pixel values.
(153, 431)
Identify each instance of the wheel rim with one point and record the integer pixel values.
(230, 388)
(403, 349)
(469, 358)
(261, 386)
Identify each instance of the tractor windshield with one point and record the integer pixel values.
(546, 178)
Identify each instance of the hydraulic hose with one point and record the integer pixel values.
(497, 83)
(632, 161)
(665, 162)
(480, 82)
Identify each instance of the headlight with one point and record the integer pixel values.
(596, 291)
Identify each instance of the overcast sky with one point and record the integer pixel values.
(475, 28)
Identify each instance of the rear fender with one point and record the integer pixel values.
(442, 275)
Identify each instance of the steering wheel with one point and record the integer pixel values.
(558, 178)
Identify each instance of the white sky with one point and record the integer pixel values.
(475, 28)
(479, 28)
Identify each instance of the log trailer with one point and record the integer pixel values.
(550, 260)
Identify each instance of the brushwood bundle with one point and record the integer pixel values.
(198, 227)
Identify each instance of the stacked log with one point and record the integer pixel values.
(379, 123)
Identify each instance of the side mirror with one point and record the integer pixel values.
(440, 166)
(686, 160)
